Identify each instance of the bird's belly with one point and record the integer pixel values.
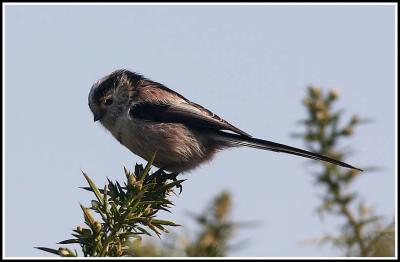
(177, 147)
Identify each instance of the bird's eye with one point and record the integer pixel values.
(108, 101)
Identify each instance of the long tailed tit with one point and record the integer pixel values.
(147, 117)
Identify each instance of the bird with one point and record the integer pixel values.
(147, 117)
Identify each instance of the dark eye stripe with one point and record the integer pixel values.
(108, 101)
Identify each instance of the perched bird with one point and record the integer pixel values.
(147, 117)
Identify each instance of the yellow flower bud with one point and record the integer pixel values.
(319, 105)
(307, 101)
(64, 252)
(97, 226)
(333, 94)
(315, 92)
(319, 115)
(347, 131)
(354, 120)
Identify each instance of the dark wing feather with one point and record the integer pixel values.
(189, 114)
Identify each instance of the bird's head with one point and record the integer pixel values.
(110, 95)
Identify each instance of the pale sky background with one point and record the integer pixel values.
(249, 64)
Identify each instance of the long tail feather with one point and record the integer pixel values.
(239, 140)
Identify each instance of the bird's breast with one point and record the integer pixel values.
(178, 147)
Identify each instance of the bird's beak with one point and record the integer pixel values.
(97, 117)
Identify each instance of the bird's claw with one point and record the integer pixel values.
(161, 177)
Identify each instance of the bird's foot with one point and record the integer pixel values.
(161, 177)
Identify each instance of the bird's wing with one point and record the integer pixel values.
(158, 103)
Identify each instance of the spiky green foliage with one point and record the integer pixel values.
(362, 233)
(122, 213)
(211, 240)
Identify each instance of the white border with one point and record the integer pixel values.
(198, 4)
(195, 4)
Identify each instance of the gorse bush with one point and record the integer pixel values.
(362, 234)
(124, 213)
